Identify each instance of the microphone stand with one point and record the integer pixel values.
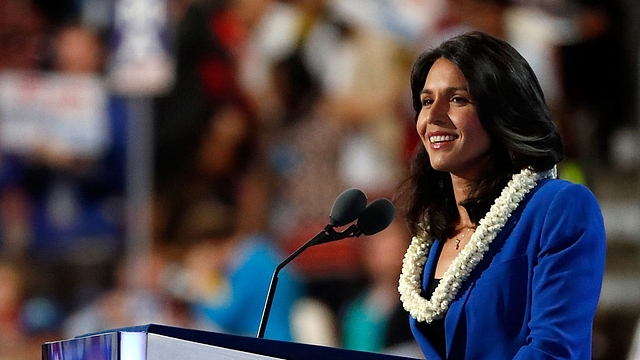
(374, 218)
(326, 235)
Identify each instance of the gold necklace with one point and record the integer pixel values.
(459, 239)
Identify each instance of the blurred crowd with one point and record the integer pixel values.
(276, 107)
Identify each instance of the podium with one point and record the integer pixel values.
(162, 342)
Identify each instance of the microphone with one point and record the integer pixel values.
(375, 217)
(346, 208)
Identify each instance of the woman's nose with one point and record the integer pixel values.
(437, 112)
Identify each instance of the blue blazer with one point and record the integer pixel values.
(534, 294)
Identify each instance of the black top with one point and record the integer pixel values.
(435, 330)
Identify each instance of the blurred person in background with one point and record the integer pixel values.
(211, 176)
(375, 320)
(62, 208)
(224, 168)
(77, 193)
(23, 43)
(359, 67)
(31, 311)
(207, 141)
(210, 40)
(137, 297)
(326, 88)
(300, 146)
(215, 215)
(225, 273)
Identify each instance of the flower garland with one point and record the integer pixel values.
(424, 310)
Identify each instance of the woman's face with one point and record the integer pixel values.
(448, 123)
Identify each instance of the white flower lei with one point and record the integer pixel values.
(488, 228)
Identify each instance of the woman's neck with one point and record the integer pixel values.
(461, 188)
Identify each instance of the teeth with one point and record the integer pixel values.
(441, 138)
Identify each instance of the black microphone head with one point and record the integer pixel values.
(376, 217)
(347, 207)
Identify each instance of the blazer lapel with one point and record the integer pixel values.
(430, 265)
(429, 269)
(452, 319)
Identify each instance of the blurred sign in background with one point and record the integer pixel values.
(64, 114)
(140, 62)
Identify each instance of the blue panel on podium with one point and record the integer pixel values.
(102, 347)
(161, 342)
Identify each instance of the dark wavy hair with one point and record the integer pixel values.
(511, 108)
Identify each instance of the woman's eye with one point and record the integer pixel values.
(427, 102)
(459, 100)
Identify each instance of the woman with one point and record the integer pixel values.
(506, 261)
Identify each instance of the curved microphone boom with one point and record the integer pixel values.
(346, 208)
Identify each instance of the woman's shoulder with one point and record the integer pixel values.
(566, 213)
(560, 198)
(559, 189)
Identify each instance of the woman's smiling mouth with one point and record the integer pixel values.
(441, 138)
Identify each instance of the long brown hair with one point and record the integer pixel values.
(512, 109)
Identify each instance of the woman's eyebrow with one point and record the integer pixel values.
(448, 90)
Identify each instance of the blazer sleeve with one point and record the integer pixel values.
(567, 278)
